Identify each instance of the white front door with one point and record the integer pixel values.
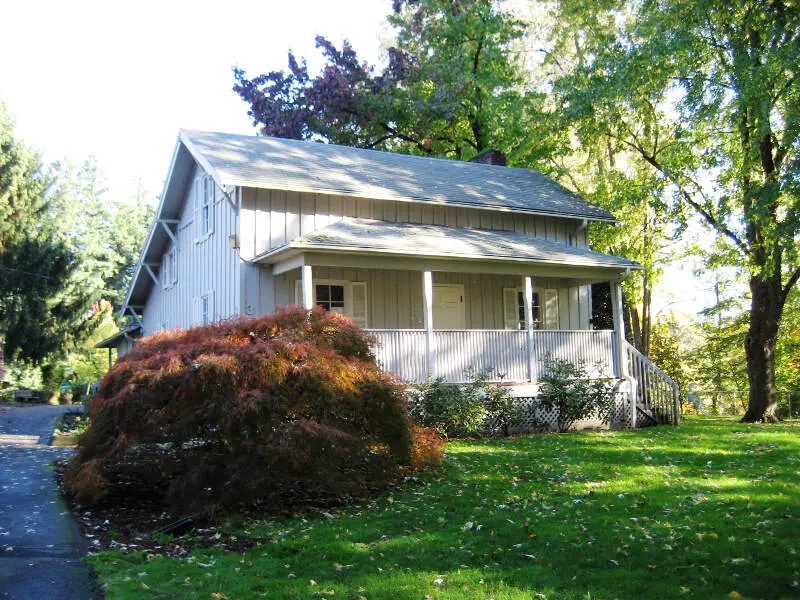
(448, 306)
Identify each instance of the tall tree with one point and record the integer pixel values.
(452, 86)
(105, 234)
(36, 308)
(720, 76)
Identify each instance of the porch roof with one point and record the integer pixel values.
(437, 241)
(113, 341)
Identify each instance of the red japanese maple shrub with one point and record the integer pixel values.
(281, 411)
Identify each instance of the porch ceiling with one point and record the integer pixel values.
(408, 241)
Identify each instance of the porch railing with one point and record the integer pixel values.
(504, 352)
(657, 395)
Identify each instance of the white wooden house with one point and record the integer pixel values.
(451, 265)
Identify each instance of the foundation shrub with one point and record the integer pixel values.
(281, 411)
(569, 389)
(477, 408)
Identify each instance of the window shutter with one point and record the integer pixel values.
(298, 292)
(510, 308)
(551, 309)
(359, 303)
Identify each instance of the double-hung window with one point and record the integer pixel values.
(514, 309)
(344, 297)
(169, 268)
(204, 308)
(204, 207)
(330, 296)
(537, 310)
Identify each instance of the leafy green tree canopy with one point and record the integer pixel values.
(35, 308)
(719, 80)
(452, 86)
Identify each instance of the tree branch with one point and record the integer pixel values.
(791, 283)
(707, 216)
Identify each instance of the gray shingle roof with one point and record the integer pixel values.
(274, 163)
(450, 242)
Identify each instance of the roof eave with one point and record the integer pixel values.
(295, 247)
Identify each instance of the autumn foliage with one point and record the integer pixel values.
(284, 410)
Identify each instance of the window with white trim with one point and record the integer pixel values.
(204, 207)
(329, 296)
(344, 297)
(514, 309)
(206, 308)
(169, 268)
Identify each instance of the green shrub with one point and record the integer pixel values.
(477, 408)
(450, 409)
(285, 410)
(568, 388)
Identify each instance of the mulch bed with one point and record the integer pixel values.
(136, 526)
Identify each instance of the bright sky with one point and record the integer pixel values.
(117, 80)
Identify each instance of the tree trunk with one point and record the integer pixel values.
(765, 314)
(647, 300)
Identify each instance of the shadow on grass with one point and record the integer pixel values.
(704, 509)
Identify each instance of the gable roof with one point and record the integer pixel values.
(274, 163)
(438, 241)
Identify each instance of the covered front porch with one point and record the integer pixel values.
(447, 303)
(451, 319)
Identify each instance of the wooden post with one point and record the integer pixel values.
(528, 284)
(619, 330)
(307, 287)
(427, 302)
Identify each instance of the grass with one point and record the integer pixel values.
(710, 509)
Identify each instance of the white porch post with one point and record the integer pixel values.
(619, 329)
(307, 287)
(427, 302)
(528, 284)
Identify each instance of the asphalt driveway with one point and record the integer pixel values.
(40, 544)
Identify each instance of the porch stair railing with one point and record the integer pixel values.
(657, 395)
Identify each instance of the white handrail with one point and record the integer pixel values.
(657, 391)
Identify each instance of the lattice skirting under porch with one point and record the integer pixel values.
(532, 417)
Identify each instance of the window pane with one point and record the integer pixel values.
(323, 293)
(337, 293)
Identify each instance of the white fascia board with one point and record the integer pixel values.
(456, 256)
(282, 259)
(153, 226)
(201, 160)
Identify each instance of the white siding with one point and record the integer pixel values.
(394, 298)
(204, 265)
(272, 218)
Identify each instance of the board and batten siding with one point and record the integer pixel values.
(394, 297)
(272, 218)
(205, 264)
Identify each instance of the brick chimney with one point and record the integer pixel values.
(490, 157)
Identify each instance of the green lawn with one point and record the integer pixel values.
(710, 509)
